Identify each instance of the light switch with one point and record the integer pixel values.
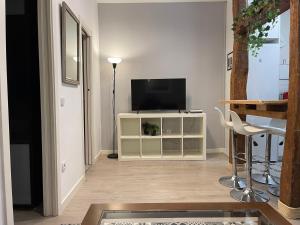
(63, 166)
(62, 101)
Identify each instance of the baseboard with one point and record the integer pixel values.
(215, 150)
(288, 212)
(71, 194)
(97, 156)
(208, 151)
(226, 152)
(105, 152)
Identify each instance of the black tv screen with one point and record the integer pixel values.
(158, 94)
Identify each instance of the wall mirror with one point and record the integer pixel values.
(70, 46)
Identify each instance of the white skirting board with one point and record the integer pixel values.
(216, 150)
(105, 152)
(97, 156)
(71, 194)
(208, 151)
(288, 212)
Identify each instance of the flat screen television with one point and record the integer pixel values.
(158, 94)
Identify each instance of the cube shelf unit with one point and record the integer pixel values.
(181, 136)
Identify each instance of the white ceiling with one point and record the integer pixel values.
(152, 1)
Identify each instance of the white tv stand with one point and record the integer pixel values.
(181, 136)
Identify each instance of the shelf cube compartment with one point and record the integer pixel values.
(192, 146)
(172, 146)
(192, 126)
(151, 147)
(130, 147)
(130, 126)
(171, 126)
(151, 121)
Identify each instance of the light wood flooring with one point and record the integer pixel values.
(111, 181)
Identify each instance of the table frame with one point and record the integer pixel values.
(95, 211)
(276, 109)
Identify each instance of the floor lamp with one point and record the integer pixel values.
(114, 61)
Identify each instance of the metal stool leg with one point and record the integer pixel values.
(233, 181)
(274, 190)
(249, 194)
(266, 178)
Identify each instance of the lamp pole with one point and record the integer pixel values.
(114, 62)
(114, 155)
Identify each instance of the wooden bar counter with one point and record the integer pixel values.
(276, 109)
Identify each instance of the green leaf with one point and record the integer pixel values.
(256, 28)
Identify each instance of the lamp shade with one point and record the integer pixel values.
(114, 60)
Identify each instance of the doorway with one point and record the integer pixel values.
(268, 79)
(86, 65)
(23, 80)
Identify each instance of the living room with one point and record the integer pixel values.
(137, 110)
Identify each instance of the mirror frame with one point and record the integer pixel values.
(66, 9)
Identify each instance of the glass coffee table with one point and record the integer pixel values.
(184, 214)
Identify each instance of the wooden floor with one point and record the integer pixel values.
(110, 181)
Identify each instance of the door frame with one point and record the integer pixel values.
(5, 169)
(86, 77)
(48, 110)
(48, 116)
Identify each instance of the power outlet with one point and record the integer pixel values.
(63, 167)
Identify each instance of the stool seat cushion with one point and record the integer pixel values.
(252, 130)
(240, 128)
(230, 124)
(272, 130)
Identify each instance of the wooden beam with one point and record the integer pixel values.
(239, 73)
(284, 5)
(290, 175)
(242, 27)
(256, 102)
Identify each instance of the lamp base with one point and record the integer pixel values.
(112, 156)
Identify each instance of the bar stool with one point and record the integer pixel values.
(248, 194)
(275, 189)
(266, 177)
(233, 181)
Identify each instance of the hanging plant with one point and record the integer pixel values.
(254, 22)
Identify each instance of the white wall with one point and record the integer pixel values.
(70, 124)
(284, 51)
(3, 74)
(2, 206)
(263, 75)
(6, 213)
(263, 79)
(164, 40)
(229, 48)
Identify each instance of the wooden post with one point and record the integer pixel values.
(289, 203)
(239, 73)
(284, 5)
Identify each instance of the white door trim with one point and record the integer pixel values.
(48, 109)
(87, 99)
(5, 170)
